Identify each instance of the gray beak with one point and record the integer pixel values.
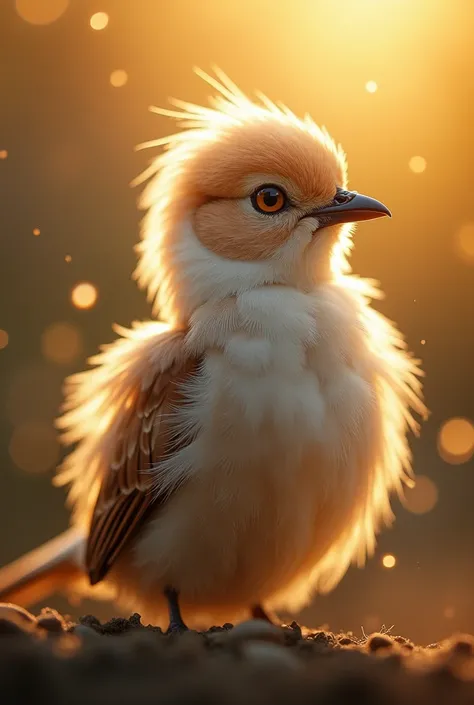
(349, 207)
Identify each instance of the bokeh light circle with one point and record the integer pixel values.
(389, 561)
(99, 20)
(456, 440)
(84, 295)
(3, 339)
(371, 86)
(417, 164)
(421, 498)
(61, 343)
(41, 11)
(118, 78)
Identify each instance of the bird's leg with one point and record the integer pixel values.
(258, 612)
(176, 621)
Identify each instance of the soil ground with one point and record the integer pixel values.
(47, 658)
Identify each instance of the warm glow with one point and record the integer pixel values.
(3, 154)
(118, 78)
(371, 86)
(99, 20)
(68, 258)
(41, 11)
(423, 342)
(3, 339)
(421, 498)
(61, 343)
(36, 232)
(389, 561)
(417, 164)
(84, 295)
(465, 242)
(449, 612)
(456, 441)
(34, 446)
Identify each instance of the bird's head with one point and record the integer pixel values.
(247, 195)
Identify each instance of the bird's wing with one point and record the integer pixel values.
(139, 383)
(144, 436)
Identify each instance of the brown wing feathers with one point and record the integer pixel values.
(142, 439)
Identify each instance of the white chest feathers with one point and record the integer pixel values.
(277, 374)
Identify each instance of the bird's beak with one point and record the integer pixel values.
(349, 207)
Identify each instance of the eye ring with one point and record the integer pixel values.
(269, 199)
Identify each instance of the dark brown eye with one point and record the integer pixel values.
(269, 199)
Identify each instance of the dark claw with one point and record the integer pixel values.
(176, 628)
(176, 625)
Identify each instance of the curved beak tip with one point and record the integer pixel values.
(351, 207)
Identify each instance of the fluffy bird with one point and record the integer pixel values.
(239, 453)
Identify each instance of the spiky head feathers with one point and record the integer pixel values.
(203, 222)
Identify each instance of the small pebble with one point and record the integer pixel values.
(400, 639)
(216, 630)
(50, 624)
(345, 641)
(379, 641)
(51, 621)
(295, 628)
(256, 629)
(464, 646)
(324, 639)
(264, 653)
(135, 620)
(90, 621)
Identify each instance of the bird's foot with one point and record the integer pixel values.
(176, 625)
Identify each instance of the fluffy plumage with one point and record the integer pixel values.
(286, 397)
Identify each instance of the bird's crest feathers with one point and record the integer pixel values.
(230, 107)
(164, 196)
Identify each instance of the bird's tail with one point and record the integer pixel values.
(53, 567)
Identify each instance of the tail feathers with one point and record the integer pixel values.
(48, 569)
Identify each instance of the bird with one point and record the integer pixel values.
(237, 452)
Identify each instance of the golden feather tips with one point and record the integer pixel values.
(229, 107)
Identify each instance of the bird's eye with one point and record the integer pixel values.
(269, 199)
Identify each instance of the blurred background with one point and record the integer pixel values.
(393, 81)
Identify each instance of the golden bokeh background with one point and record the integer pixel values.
(393, 81)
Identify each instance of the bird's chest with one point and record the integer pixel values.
(277, 421)
(260, 395)
(281, 393)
